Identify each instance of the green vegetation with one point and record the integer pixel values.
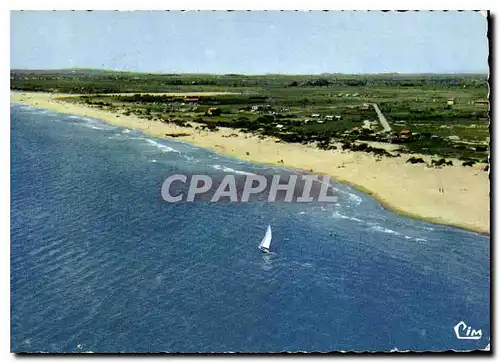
(444, 115)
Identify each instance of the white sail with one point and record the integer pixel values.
(266, 241)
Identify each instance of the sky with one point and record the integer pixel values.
(253, 42)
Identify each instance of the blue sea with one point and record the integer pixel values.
(101, 263)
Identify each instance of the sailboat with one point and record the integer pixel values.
(266, 241)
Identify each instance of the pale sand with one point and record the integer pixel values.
(412, 190)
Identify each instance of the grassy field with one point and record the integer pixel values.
(443, 115)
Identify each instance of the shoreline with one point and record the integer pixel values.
(405, 189)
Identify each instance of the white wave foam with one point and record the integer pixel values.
(153, 160)
(27, 108)
(91, 123)
(90, 126)
(126, 131)
(302, 212)
(162, 147)
(338, 215)
(355, 198)
(230, 170)
(190, 158)
(385, 230)
(89, 119)
(117, 137)
(418, 239)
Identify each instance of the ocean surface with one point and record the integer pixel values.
(100, 262)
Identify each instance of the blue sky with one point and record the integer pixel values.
(252, 42)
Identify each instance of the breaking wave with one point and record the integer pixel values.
(385, 230)
(162, 147)
(418, 239)
(338, 215)
(356, 199)
(27, 108)
(230, 170)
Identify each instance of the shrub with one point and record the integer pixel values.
(415, 160)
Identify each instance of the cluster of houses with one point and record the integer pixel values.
(394, 136)
(260, 108)
(321, 119)
(452, 100)
(368, 125)
(348, 95)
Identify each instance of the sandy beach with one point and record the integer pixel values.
(456, 195)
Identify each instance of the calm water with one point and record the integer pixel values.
(99, 262)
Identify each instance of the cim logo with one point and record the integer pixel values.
(462, 331)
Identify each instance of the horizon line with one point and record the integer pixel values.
(247, 74)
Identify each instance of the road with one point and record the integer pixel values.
(382, 119)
